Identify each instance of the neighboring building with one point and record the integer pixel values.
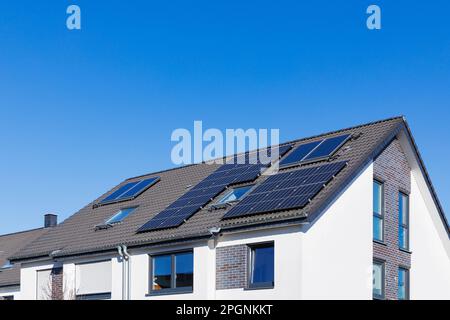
(10, 244)
(351, 214)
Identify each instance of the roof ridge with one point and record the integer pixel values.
(280, 144)
(19, 232)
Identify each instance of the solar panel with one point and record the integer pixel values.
(300, 153)
(130, 190)
(289, 190)
(315, 150)
(327, 147)
(113, 196)
(229, 173)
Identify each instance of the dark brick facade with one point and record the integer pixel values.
(392, 168)
(57, 283)
(231, 267)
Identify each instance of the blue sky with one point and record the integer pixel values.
(80, 111)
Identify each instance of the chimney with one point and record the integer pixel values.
(50, 220)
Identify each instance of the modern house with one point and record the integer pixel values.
(351, 214)
(10, 244)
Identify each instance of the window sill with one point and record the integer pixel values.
(380, 242)
(405, 250)
(378, 298)
(169, 292)
(264, 286)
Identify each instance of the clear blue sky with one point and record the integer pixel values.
(82, 110)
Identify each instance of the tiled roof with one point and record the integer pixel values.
(77, 235)
(10, 244)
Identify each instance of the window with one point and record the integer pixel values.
(172, 272)
(261, 266)
(378, 211)
(44, 285)
(403, 284)
(119, 216)
(93, 280)
(378, 280)
(235, 194)
(403, 221)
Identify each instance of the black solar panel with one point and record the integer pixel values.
(130, 190)
(289, 190)
(300, 153)
(196, 198)
(316, 150)
(327, 147)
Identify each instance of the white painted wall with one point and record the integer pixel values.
(337, 249)
(10, 291)
(28, 279)
(287, 255)
(204, 273)
(430, 260)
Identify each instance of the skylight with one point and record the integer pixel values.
(6, 266)
(130, 190)
(235, 194)
(119, 216)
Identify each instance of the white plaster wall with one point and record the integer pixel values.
(430, 260)
(28, 278)
(70, 276)
(10, 291)
(287, 259)
(337, 249)
(204, 273)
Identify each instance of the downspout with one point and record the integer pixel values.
(122, 256)
(128, 260)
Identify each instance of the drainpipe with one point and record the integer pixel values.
(122, 256)
(128, 261)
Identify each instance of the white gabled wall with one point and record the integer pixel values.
(430, 262)
(429, 240)
(337, 248)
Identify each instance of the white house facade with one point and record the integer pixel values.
(374, 230)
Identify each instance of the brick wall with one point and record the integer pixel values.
(231, 267)
(392, 168)
(57, 283)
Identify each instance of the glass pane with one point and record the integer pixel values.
(377, 279)
(162, 272)
(122, 214)
(402, 284)
(378, 228)
(377, 198)
(403, 237)
(184, 268)
(235, 194)
(403, 209)
(262, 265)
